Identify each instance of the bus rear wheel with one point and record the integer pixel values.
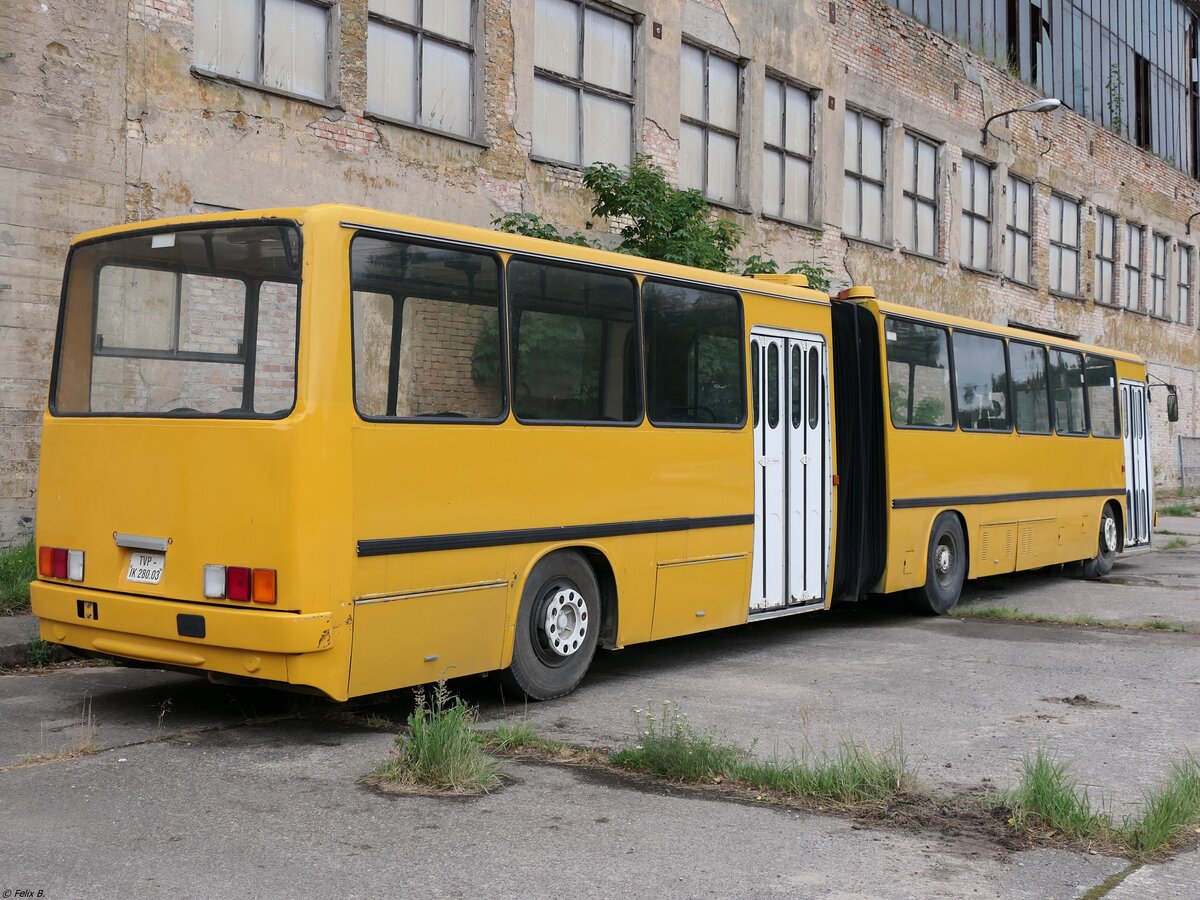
(945, 568)
(1106, 552)
(558, 626)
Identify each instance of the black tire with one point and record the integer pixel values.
(1106, 549)
(945, 567)
(558, 626)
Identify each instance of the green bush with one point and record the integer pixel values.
(18, 567)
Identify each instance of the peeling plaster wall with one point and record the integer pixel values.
(108, 123)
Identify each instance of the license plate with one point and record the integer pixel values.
(146, 566)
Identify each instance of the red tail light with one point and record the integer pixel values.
(237, 582)
(59, 564)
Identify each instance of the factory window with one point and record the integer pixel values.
(787, 151)
(709, 90)
(862, 192)
(280, 44)
(420, 61)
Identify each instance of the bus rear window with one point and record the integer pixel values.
(199, 322)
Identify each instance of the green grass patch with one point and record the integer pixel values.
(1050, 800)
(1012, 614)
(1174, 544)
(441, 752)
(517, 735)
(18, 567)
(1171, 809)
(669, 746)
(41, 653)
(1178, 509)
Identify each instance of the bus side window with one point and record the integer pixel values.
(1030, 383)
(695, 371)
(981, 379)
(1100, 374)
(918, 366)
(568, 327)
(1066, 375)
(426, 324)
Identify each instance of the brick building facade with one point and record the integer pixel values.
(118, 110)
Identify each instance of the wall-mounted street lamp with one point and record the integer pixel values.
(1037, 106)
(1189, 221)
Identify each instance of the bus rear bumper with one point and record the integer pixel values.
(247, 642)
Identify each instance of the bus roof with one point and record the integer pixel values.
(350, 216)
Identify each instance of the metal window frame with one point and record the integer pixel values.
(1102, 258)
(1132, 265)
(421, 33)
(1183, 285)
(1158, 278)
(969, 212)
(261, 36)
(917, 198)
(857, 176)
(581, 86)
(705, 125)
(1012, 228)
(1076, 248)
(783, 150)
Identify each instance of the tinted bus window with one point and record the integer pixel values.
(1066, 379)
(1101, 378)
(981, 379)
(695, 371)
(918, 363)
(570, 330)
(426, 326)
(1031, 388)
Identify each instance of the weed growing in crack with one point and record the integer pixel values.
(669, 746)
(441, 751)
(1171, 809)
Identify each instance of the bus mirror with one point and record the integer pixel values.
(1172, 404)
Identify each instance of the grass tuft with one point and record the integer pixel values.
(669, 746)
(1174, 544)
(1178, 509)
(441, 751)
(1171, 809)
(511, 737)
(855, 774)
(1048, 798)
(1012, 614)
(40, 653)
(18, 567)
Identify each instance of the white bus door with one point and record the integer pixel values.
(792, 484)
(1139, 488)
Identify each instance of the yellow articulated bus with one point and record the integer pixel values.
(351, 451)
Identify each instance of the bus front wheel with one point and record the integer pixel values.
(558, 625)
(945, 568)
(1106, 551)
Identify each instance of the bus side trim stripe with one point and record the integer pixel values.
(918, 502)
(470, 540)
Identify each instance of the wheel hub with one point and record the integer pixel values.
(1109, 534)
(566, 621)
(943, 559)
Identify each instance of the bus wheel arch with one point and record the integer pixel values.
(609, 608)
(947, 564)
(558, 625)
(1108, 542)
